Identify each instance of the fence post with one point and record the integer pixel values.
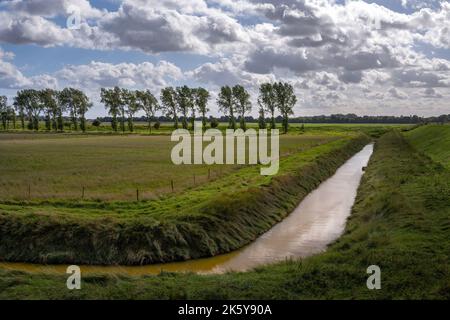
(137, 195)
(171, 183)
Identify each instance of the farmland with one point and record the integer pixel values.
(205, 217)
(399, 221)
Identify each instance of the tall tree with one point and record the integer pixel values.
(111, 98)
(169, 104)
(50, 105)
(149, 104)
(130, 100)
(201, 97)
(66, 99)
(226, 105)
(262, 119)
(285, 101)
(4, 111)
(185, 103)
(82, 105)
(267, 101)
(20, 106)
(11, 116)
(33, 107)
(241, 100)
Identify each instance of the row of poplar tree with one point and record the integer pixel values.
(182, 104)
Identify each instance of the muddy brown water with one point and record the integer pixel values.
(318, 221)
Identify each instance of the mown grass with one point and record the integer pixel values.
(432, 140)
(400, 222)
(58, 166)
(206, 220)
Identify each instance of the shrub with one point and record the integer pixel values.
(214, 123)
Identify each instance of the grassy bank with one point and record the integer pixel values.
(400, 222)
(433, 141)
(207, 220)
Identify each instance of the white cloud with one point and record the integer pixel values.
(358, 55)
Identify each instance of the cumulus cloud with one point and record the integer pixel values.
(339, 53)
(99, 74)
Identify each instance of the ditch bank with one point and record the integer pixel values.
(227, 222)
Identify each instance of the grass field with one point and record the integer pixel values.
(205, 219)
(58, 166)
(399, 222)
(432, 140)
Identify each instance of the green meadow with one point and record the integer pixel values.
(400, 221)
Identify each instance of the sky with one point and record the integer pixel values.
(385, 57)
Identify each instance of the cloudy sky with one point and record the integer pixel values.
(385, 57)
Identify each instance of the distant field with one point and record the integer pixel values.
(432, 140)
(58, 166)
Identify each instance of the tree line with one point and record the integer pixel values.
(30, 106)
(183, 105)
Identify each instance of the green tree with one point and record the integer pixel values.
(169, 104)
(4, 111)
(262, 119)
(226, 105)
(49, 101)
(267, 101)
(149, 104)
(33, 107)
(12, 116)
(20, 106)
(66, 99)
(129, 99)
(241, 100)
(285, 101)
(111, 98)
(185, 103)
(82, 105)
(201, 97)
(96, 123)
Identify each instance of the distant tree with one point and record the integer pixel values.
(201, 97)
(169, 104)
(20, 106)
(4, 111)
(66, 100)
(226, 105)
(241, 100)
(262, 119)
(111, 98)
(33, 107)
(96, 123)
(267, 101)
(157, 125)
(82, 105)
(130, 100)
(185, 104)
(49, 101)
(214, 123)
(149, 104)
(11, 116)
(285, 101)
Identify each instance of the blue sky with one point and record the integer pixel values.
(372, 57)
